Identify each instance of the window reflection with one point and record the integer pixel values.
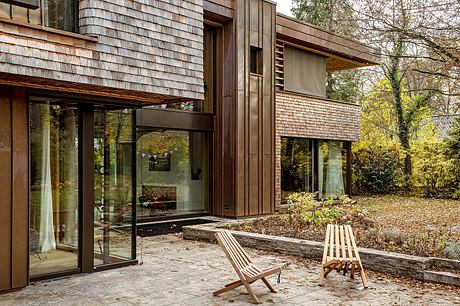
(61, 14)
(57, 14)
(113, 185)
(296, 166)
(309, 165)
(53, 236)
(172, 173)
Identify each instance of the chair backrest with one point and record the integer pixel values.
(340, 243)
(235, 253)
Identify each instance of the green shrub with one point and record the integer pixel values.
(434, 170)
(323, 216)
(375, 168)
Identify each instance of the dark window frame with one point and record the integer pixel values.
(86, 111)
(314, 147)
(22, 4)
(255, 60)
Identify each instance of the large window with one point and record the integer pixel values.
(297, 165)
(58, 14)
(172, 173)
(309, 165)
(53, 235)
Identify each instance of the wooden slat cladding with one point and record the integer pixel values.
(153, 47)
(14, 190)
(279, 66)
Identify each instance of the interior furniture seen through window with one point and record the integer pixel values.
(57, 14)
(172, 173)
(309, 165)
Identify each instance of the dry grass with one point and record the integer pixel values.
(410, 225)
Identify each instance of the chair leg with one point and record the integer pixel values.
(364, 278)
(251, 292)
(269, 286)
(228, 287)
(321, 276)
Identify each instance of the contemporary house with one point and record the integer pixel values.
(113, 111)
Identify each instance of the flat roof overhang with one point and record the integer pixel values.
(135, 97)
(342, 53)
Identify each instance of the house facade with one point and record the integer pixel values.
(150, 110)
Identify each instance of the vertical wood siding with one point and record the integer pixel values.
(247, 115)
(14, 190)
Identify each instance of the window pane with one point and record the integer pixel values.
(53, 188)
(113, 183)
(191, 106)
(331, 168)
(296, 166)
(172, 173)
(61, 14)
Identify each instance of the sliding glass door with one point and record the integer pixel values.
(113, 185)
(69, 233)
(53, 234)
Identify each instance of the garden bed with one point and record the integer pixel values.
(408, 225)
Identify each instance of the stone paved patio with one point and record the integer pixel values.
(178, 272)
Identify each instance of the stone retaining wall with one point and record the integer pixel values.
(380, 261)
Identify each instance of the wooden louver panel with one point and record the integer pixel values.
(279, 66)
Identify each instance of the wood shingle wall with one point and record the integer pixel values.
(142, 45)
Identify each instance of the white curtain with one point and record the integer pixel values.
(334, 179)
(47, 241)
(320, 167)
(71, 178)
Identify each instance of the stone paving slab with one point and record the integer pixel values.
(182, 272)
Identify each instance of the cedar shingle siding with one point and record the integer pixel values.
(150, 46)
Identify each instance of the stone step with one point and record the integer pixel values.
(442, 277)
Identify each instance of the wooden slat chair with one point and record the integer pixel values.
(246, 270)
(341, 253)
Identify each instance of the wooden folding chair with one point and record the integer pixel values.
(341, 253)
(246, 270)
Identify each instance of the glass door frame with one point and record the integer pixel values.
(86, 126)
